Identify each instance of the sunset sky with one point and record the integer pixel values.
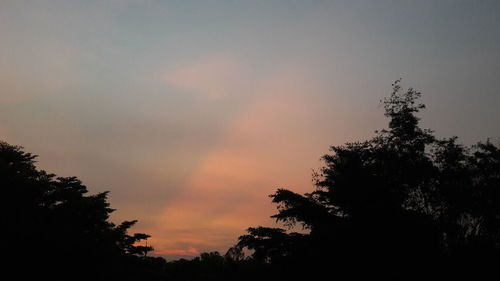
(192, 112)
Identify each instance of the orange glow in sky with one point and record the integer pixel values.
(192, 112)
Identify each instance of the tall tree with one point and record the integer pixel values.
(53, 229)
(400, 205)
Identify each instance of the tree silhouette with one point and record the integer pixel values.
(402, 205)
(52, 229)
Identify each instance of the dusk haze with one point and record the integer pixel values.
(192, 113)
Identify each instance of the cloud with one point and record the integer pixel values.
(190, 251)
(21, 81)
(213, 77)
(268, 145)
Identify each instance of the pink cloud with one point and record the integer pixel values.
(190, 251)
(213, 77)
(272, 143)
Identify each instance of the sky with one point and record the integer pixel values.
(192, 112)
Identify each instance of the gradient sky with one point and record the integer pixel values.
(192, 112)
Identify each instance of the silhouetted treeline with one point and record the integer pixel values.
(404, 205)
(52, 230)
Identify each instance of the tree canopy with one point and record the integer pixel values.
(402, 205)
(51, 227)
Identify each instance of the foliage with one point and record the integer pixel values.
(404, 205)
(53, 227)
(401, 205)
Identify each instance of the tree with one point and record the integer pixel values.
(52, 228)
(401, 205)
